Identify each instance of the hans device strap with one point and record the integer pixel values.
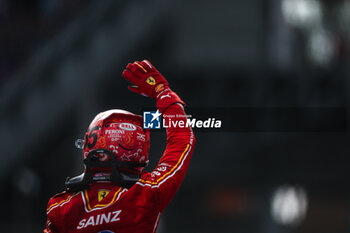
(82, 181)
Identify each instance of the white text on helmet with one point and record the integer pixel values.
(127, 126)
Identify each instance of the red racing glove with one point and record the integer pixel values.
(149, 82)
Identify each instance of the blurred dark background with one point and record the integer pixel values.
(61, 64)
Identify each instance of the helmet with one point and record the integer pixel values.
(119, 132)
(115, 149)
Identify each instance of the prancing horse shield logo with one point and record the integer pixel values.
(102, 194)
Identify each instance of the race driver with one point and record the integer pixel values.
(114, 194)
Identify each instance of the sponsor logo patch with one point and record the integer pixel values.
(127, 126)
(102, 194)
(151, 81)
(159, 88)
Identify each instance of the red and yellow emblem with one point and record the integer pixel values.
(151, 81)
(102, 194)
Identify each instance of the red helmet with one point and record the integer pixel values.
(121, 133)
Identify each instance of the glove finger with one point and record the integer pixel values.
(129, 66)
(130, 77)
(138, 71)
(136, 90)
(147, 65)
(140, 67)
(132, 67)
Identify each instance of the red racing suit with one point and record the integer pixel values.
(107, 208)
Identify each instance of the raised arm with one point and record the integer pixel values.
(171, 169)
